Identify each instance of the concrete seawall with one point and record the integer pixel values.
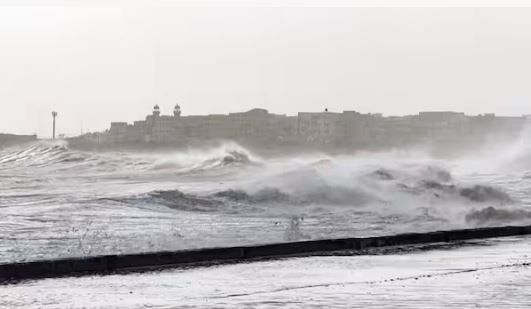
(158, 260)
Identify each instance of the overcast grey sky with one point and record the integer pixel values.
(101, 61)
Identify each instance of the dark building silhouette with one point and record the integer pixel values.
(348, 129)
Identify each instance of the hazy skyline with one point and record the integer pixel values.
(96, 62)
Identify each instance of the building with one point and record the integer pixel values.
(349, 129)
(118, 132)
(325, 127)
(260, 125)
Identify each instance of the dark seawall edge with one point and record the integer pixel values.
(141, 262)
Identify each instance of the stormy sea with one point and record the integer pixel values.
(60, 202)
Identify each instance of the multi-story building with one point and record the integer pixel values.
(325, 127)
(349, 128)
(256, 124)
(442, 125)
(118, 132)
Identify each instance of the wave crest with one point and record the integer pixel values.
(203, 160)
(495, 215)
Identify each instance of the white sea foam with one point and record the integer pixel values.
(58, 201)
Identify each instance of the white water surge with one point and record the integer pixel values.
(58, 202)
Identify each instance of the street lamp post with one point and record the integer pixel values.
(54, 114)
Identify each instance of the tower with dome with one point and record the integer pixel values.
(177, 110)
(156, 110)
(257, 125)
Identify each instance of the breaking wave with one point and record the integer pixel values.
(421, 193)
(235, 158)
(58, 155)
(224, 156)
(493, 215)
(37, 153)
(219, 201)
(226, 195)
(384, 184)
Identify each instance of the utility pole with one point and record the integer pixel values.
(54, 114)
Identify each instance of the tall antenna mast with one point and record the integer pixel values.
(54, 114)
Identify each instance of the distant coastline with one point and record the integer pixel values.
(7, 140)
(438, 132)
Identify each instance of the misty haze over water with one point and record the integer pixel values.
(301, 120)
(61, 202)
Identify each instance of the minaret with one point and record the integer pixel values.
(54, 114)
(177, 111)
(156, 111)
